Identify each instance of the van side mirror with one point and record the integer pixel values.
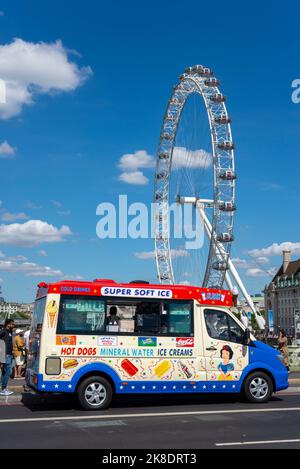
(246, 337)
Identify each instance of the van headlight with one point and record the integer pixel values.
(280, 358)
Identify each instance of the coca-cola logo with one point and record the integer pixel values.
(184, 341)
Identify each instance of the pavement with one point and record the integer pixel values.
(160, 422)
(29, 420)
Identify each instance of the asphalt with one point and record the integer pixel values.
(28, 420)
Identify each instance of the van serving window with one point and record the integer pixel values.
(81, 315)
(90, 315)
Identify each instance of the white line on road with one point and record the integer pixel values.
(266, 442)
(150, 414)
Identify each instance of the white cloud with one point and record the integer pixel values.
(14, 216)
(133, 161)
(6, 150)
(151, 254)
(240, 263)
(183, 158)
(73, 277)
(32, 233)
(18, 258)
(42, 253)
(29, 268)
(30, 69)
(134, 177)
(56, 203)
(32, 206)
(257, 272)
(262, 260)
(60, 208)
(276, 249)
(145, 255)
(20, 264)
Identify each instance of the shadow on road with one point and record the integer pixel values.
(61, 402)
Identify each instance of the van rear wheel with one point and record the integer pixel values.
(95, 393)
(258, 387)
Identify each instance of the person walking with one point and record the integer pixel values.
(19, 353)
(26, 339)
(283, 347)
(6, 336)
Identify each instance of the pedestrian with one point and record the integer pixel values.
(26, 339)
(19, 353)
(283, 347)
(6, 336)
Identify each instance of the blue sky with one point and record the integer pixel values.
(104, 95)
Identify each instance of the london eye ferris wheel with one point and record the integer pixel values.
(195, 168)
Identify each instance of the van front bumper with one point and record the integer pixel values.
(281, 380)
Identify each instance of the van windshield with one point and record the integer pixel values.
(35, 333)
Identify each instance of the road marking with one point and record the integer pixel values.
(263, 442)
(150, 414)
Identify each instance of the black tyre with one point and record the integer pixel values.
(94, 393)
(258, 387)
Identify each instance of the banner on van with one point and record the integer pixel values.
(136, 292)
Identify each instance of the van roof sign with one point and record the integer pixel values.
(209, 296)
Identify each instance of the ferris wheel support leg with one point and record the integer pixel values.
(259, 319)
(208, 230)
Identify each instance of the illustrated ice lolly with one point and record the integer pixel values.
(162, 368)
(129, 367)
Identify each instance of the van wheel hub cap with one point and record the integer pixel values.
(95, 394)
(259, 388)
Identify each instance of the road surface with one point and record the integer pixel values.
(162, 422)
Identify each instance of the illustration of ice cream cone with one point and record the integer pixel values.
(51, 311)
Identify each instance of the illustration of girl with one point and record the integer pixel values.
(225, 367)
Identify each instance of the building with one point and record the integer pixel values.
(15, 310)
(282, 297)
(258, 301)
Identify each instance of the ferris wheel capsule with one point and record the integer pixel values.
(226, 145)
(221, 266)
(163, 155)
(225, 237)
(172, 118)
(212, 82)
(218, 98)
(223, 119)
(166, 136)
(227, 206)
(161, 175)
(227, 175)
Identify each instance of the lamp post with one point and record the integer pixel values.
(297, 324)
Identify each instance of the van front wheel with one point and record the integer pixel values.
(258, 387)
(94, 393)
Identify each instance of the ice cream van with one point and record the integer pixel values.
(101, 338)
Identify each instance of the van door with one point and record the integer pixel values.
(225, 355)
